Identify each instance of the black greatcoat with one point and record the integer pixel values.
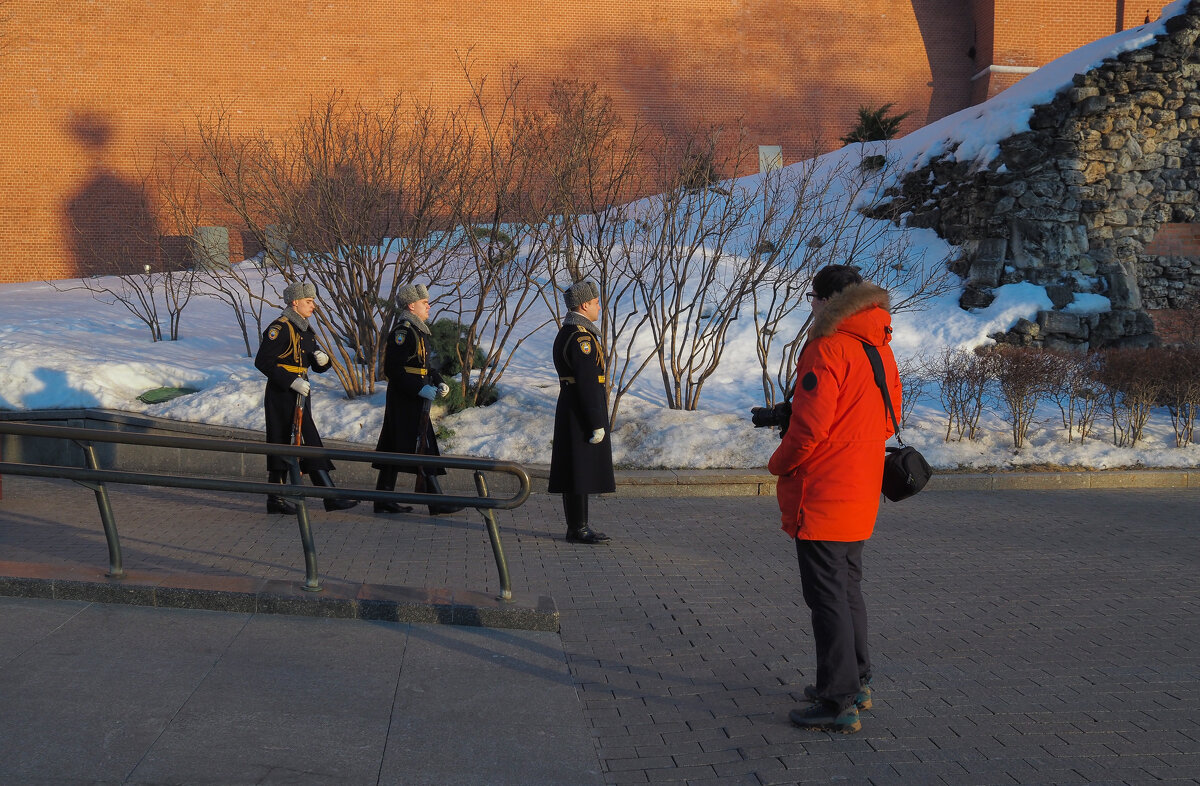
(577, 466)
(406, 366)
(286, 352)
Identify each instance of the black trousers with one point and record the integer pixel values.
(831, 577)
(575, 506)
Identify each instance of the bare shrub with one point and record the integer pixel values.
(785, 244)
(246, 290)
(243, 287)
(962, 378)
(1077, 390)
(506, 246)
(915, 379)
(1181, 390)
(1133, 379)
(835, 229)
(593, 166)
(359, 195)
(145, 261)
(683, 259)
(1023, 375)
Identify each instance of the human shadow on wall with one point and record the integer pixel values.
(108, 222)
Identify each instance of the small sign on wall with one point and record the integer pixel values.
(769, 157)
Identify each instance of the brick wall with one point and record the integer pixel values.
(92, 90)
(1175, 240)
(1031, 33)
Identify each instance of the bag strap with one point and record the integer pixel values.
(881, 381)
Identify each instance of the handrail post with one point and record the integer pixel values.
(115, 569)
(494, 536)
(311, 582)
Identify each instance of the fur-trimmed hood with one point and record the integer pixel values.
(843, 310)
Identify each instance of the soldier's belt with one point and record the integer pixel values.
(293, 369)
(418, 371)
(571, 380)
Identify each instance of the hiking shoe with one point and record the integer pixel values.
(862, 700)
(821, 716)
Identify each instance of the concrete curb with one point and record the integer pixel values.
(337, 599)
(727, 483)
(630, 483)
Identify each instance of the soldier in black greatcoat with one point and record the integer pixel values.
(412, 387)
(581, 463)
(288, 350)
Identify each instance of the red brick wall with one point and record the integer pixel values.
(1175, 240)
(90, 90)
(1031, 33)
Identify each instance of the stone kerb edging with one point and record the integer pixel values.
(630, 483)
(732, 483)
(338, 599)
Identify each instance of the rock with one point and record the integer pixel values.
(1060, 295)
(987, 264)
(1060, 323)
(975, 297)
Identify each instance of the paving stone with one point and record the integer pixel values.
(1017, 635)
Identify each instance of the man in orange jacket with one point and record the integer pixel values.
(830, 468)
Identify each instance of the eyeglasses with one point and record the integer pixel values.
(811, 296)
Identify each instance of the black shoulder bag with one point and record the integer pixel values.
(905, 471)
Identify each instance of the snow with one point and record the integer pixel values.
(64, 349)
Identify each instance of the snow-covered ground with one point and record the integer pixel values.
(63, 349)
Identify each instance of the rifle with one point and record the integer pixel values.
(425, 478)
(298, 419)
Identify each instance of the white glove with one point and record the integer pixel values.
(321, 358)
(427, 392)
(301, 386)
(597, 436)
(443, 390)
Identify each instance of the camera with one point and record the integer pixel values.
(778, 415)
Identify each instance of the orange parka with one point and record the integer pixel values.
(830, 462)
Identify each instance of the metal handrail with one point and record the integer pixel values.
(95, 478)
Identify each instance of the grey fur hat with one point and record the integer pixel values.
(579, 293)
(411, 294)
(298, 290)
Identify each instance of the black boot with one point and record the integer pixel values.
(276, 503)
(428, 482)
(575, 506)
(387, 482)
(320, 477)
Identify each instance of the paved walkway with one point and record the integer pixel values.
(1019, 637)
